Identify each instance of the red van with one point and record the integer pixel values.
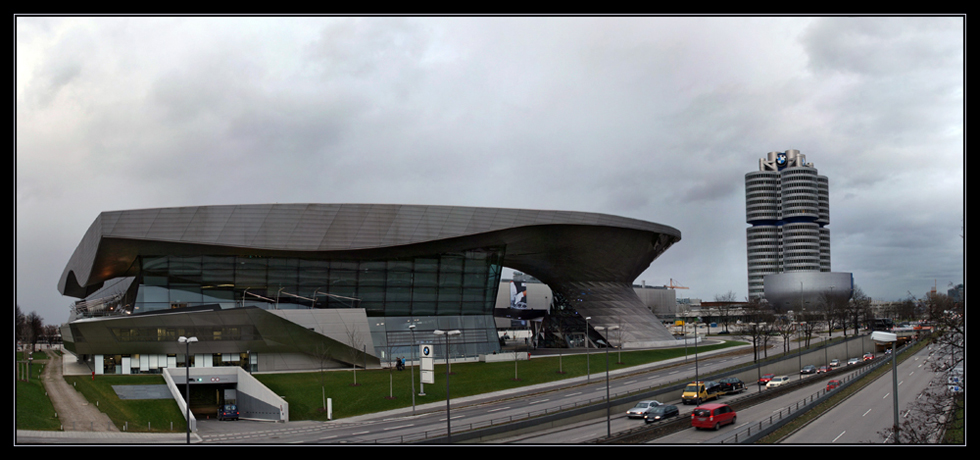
(712, 416)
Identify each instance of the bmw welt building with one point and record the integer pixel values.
(293, 286)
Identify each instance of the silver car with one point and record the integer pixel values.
(641, 408)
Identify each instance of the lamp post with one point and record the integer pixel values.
(588, 372)
(187, 341)
(608, 415)
(888, 337)
(448, 334)
(411, 356)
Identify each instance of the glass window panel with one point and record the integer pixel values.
(474, 295)
(343, 265)
(398, 308)
(373, 265)
(185, 293)
(217, 295)
(153, 294)
(451, 264)
(372, 277)
(472, 308)
(425, 279)
(474, 279)
(155, 263)
(448, 308)
(185, 266)
(426, 265)
(423, 308)
(450, 280)
(400, 265)
(399, 278)
(399, 294)
(423, 294)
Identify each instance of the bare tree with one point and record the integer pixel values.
(726, 308)
(354, 344)
(35, 328)
(323, 354)
(758, 326)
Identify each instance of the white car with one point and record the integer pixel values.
(835, 363)
(641, 408)
(777, 381)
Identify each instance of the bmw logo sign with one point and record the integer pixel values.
(781, 159)
(426, 351)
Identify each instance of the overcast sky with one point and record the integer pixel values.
(654, 118)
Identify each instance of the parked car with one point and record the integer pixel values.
(834, 363)
(712, 416)
(853, 361)
(658, 413)
(766, 378)
(809, 369)
(777, 381)
(823, 369)
(641, 408)
(833, 384)
(228, 412)
(698, 392)
(869, 356)
(732, 385)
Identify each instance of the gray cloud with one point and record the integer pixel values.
(657, 118)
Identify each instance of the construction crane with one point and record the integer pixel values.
(674, 286)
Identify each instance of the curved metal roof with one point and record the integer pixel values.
(116, 238)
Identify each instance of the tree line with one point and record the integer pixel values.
(30, 329)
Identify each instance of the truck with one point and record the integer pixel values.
(698, 392)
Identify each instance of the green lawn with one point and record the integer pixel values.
(153, 415)
(381, 390)
(376, 390)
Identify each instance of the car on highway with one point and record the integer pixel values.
(698, 392)
(869, 356)
(661, 412)
(641, 408)
(731, 385)
(228, 412)
(809, 369)
(823, 369)
(765, 378)
(834, 363)
(712, 416)
(853, 361)
(777, 381)
(833, 384)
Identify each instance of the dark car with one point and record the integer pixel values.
(661, 412)
(809, 369)
(228, 412)
(732, 385)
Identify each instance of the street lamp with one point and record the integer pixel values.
(588, 372)
(187, 341)
(448, 334)
(888, 337)
(411, 351)
(608, 415)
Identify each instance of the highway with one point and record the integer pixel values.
(429, 421)
(864, 416)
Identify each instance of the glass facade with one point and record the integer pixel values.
(454, 290)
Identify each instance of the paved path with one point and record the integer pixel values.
(74, 411)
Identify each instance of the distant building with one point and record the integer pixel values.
(787, 206)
